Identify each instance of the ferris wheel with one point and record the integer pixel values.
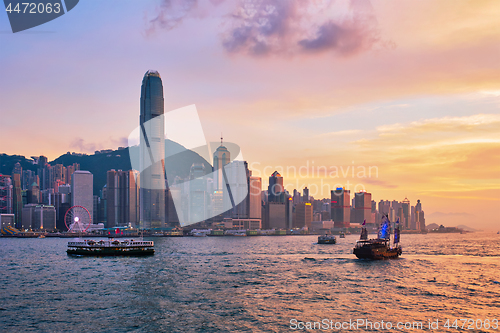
(77, 219)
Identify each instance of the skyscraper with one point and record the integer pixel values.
(198, 198)
(363, 208)
(122, 194)
(17, 199)
(82, 188)
(341, 208)
(276, 190)
(152, 154)
(254, 194)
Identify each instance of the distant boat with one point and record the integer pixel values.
(498, 232)
(199, 234)
(41, 236)
(379, 248)
(342, 235)
(327, 239)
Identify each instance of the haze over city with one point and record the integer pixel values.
(408, 88)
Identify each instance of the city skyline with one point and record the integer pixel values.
(421, 104)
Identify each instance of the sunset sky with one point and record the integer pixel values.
(411, 88)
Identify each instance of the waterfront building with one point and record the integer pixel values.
(275, 216)
(247, 224)
(44, 218)
(303, 215)
(152, 152)
(7, 220)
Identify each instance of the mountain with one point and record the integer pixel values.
(432, 226)
(98, 164)
(466, 228)
(7, 163)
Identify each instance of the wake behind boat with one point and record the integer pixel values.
(111, 247)
(379, 248)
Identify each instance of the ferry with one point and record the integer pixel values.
(327, 239)
(111, 247)
(379, 248)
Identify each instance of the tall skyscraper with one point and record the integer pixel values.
(303, 215)
(5, 194)
(341, 208)
(198, 196)
(255, 201)
(276, 190)
(17, 199)
(18, 169)
(305, 195)
(122, 194)
(363, 208)
(82, 188)
(406, 214)
(152, 154)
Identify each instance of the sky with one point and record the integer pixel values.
(409, 90)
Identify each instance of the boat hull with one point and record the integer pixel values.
(377, 253)
(326, 240)
(110, 252)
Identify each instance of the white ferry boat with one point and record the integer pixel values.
(111, 247)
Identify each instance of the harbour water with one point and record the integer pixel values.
(253, 284)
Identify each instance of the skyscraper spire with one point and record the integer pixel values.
(221, 138)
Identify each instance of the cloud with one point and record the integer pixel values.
(260, 27)
(90, 147)
(457, 214)
(283, 27)
(380, 183)
(82, 146)
(170, 14)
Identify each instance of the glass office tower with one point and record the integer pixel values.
(152, 152)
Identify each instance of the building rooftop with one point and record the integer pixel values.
(152, 72)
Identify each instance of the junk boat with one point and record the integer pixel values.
(379, 248)
(327, 239)
(111, 247)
